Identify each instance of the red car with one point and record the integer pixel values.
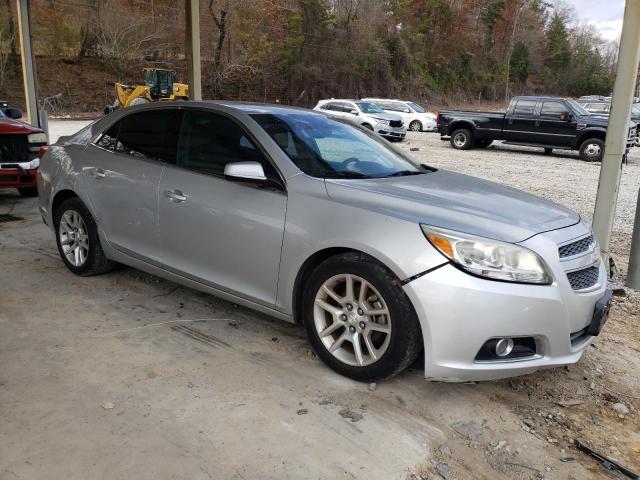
(19, 147)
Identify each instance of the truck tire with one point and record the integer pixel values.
(462, 139)
(28, 191)
(592, 150)
(483, 143)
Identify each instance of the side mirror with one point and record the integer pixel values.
(244, 172)
(406, 110)
(13, 113)
(354, 112)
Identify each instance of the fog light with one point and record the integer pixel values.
(504, 347)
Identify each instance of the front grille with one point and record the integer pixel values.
(584, 278)
(14, 148)
(576, 248)
(395, 123)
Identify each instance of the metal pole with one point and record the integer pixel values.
(633, 272)
(618, 128)
(194, 73)
(28, 67)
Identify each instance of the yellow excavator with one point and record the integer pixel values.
(159, 86)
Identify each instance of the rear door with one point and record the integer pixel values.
(122, 173)
(556, 124)
(222, 233)
(519, 122)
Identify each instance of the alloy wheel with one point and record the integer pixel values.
(415, 126)
(74, 238)
(352, 320)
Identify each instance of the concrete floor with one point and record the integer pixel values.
(126, 376)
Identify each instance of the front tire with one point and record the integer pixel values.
(415, 126)
(462, 139)
(28, 191)
(592, 150)
(78, 240)
(359, 320)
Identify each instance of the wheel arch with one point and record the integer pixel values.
(457, 124)
(60, 197)
(599, 134)
(311, 263)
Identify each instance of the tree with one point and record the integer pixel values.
(520, 62)
(559, 49)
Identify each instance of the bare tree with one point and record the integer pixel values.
(221, 23)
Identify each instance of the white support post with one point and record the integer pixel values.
(618, 128)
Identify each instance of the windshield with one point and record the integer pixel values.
(368, 107)
(416, 107)
(579, 109)
(324, 147)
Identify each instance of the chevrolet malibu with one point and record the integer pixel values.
(322, 223)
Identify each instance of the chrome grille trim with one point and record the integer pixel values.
(585, 278)
(576, 248)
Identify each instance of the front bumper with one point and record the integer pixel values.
(458, 313)
(390, 132)
(17, 178)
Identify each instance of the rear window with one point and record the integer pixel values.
(152, 135)
(525, 107)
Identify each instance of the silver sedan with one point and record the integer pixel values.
(322, 223)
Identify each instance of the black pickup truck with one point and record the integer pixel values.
(547, 122)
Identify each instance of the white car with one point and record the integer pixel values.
(416, 118)
(366, 114)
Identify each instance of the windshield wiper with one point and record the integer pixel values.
(346, 174)
(404, 173)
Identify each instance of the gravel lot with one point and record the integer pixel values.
(126, 375)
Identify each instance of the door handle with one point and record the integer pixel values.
(176, 196)
(98, 173)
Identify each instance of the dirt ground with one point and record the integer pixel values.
(126, 375)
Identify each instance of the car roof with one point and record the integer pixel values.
(246, 107)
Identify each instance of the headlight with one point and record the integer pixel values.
(35, 163)
(383, 122)
(37, 138)
(489, 258)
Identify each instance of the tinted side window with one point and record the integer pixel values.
(152, 134)
(598, 107)
(525, 107)
(553, 110)
(209, 141)
(109, 139)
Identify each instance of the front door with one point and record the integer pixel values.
(122, 174)
(556, 125)
(222, 233)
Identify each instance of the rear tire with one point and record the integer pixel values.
(415, 126)
(462, 139)
(592, 150)
(82, 232)
(366, 347)
(28, 191)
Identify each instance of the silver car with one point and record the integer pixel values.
(324, 224)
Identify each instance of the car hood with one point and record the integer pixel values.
(599, 120)
(385, 116)
(13, 127)
(457, 202)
